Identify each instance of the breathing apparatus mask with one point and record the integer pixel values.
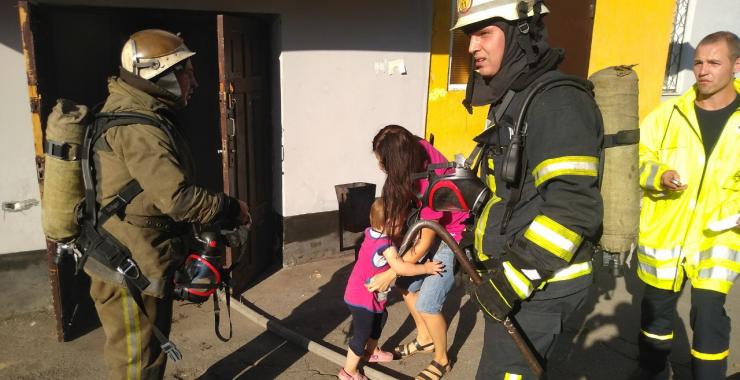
(203, 272)
(457, 189)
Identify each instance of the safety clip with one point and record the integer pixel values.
(171, 350)
(523, 27)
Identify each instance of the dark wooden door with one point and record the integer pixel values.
(243, 49)
(570, 26)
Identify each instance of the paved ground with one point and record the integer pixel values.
(599, 343)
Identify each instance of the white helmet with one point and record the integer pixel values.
(151, 52)
(472, 11)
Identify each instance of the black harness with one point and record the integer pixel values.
(94, 241)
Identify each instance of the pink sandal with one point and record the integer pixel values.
(343, 375)
(379, 356)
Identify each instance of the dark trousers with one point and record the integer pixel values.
(132, 351)
(710, 324)
(365, 325)
(540, 320)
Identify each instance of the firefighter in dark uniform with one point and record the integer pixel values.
(535, 236)
(156, 79)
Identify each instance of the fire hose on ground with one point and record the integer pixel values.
(271, 324)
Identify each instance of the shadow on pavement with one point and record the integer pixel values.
(267, 356)
(600, 340)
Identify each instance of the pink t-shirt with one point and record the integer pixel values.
(451, 221)
(370, 261)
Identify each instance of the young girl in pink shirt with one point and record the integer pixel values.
(377, 254)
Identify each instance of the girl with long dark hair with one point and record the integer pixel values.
(400, 155)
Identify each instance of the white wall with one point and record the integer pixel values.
(19, 231)
(702, 19)
(332, 100)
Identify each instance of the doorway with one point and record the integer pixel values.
(75, 49)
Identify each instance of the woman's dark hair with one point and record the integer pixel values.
(400, 155)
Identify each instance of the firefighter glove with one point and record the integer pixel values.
(495, 295)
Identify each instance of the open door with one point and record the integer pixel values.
(243, 53)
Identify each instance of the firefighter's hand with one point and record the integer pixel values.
(495, 296)
(237, 237)
(670, 180)
(244, 215)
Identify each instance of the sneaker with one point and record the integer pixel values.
(379, 356)
(343, 375)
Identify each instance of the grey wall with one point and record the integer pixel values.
(332, 100)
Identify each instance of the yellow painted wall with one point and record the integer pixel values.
(634, 32)
(625, 32)
(447, 119)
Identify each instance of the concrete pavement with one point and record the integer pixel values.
(599, 342)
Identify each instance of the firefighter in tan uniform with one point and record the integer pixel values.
(690, 218)
(156, 79)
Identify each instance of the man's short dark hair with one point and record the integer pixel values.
(731, 39)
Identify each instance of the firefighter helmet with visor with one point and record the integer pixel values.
(151, 52)
(472, 11)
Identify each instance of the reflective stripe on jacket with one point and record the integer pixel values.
(676, 238)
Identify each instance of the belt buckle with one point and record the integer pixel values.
(130, 265)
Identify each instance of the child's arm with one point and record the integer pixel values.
(403, 268)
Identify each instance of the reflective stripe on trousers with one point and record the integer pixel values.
(708, 320)
(132, 327)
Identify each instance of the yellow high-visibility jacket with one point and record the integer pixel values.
(676, 234)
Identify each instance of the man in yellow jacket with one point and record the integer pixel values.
(690, 218)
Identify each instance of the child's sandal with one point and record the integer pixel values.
(405, 350)
(434, 371)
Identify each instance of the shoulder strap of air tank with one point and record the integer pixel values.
(104, 121)
(521, 130)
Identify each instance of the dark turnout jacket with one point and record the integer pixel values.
(560, 208)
